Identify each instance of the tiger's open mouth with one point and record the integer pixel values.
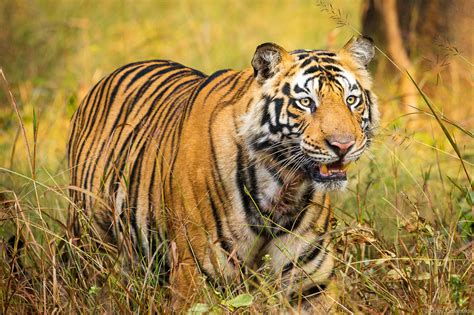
(329, 172)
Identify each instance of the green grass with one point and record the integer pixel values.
(403, 229)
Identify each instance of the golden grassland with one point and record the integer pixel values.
(403, 228)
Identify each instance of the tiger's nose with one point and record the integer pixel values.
(340, 144)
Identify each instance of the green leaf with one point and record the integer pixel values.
(198, 308)
(93, 290)
(241, 300)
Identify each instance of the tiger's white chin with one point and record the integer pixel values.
(333, 185)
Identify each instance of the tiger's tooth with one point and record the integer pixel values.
(323, 169)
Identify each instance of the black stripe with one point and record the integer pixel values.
(133, 195)
(286, 89)
(325, 53)
(313, 69)
(278, 108)
(306, 62)
(216, 171)
(298, 89)
(222, 239)
(162, 85)
(328, 60)
(242, 90)
(205, 83)
(119, 82)
(369, 103)
(236, 81)
(224, 83)
(332, 68)
(255, 222)
(303, 56)
(141, 73)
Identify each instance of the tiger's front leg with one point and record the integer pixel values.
(184, 282)
(303, 259)
(305, 266)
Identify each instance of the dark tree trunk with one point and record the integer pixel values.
(420, 32)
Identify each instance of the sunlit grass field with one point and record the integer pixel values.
(403, 229)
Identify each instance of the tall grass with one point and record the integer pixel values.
(403, 230)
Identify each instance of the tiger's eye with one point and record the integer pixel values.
(351, 99)
(305, 101)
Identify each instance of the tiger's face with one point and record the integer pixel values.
(316, 113)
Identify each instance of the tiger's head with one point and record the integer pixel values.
(315, 112)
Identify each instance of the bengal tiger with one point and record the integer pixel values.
(206, 173)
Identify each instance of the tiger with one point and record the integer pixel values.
(209, 174)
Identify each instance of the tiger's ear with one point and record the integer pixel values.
(360, 48)
(267, 60)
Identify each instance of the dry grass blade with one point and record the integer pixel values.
(20, 121)
(445, 130)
